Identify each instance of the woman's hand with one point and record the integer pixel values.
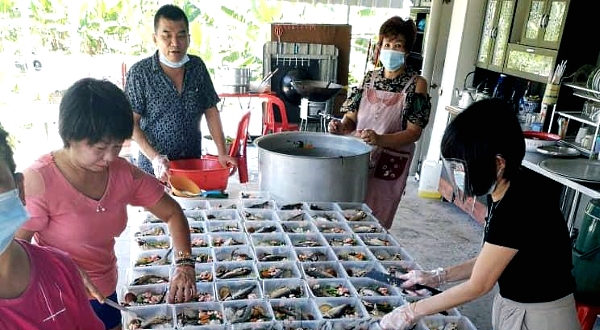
(335, 126)
(183, 285)
(370, 137)
(401, 318)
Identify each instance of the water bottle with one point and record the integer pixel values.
(499, 89)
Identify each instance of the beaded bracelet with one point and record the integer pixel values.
(190, 263)
(185, 260)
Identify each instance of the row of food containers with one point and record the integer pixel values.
(303, 272)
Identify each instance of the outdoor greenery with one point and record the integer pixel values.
(223, 33)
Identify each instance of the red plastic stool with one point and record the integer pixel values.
(587, 315)
(269, 123)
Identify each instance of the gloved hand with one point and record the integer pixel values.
(401, 318)
(160, 165)
(433, 278)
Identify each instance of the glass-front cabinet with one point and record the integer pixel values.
(530, 62)
(495, 34)
(544, 23)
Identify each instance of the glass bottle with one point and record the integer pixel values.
(499, 89)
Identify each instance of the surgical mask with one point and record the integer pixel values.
(12, 216)
(174, 65)
(392, 60)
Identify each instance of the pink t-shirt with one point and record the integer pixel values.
(55, 298)
(84, 228)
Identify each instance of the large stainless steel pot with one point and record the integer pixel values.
(313, 167)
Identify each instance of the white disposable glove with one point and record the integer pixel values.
(401, 318)
(160, 165)
(433, 278)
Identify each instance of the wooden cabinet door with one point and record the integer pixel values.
(554, 23)
(488, 34)
(507, 9)
(529, 62)
(545, 23)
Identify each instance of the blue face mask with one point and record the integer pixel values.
(173, 65)
(392, 60)
(12, 216)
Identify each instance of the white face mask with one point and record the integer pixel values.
(173, 65)
(12, 216)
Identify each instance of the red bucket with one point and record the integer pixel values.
(208, 174)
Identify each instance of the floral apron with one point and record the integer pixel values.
(382, 112)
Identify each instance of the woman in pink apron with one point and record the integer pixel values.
(388, 112)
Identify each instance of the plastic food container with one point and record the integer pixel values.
(360, 268)
(193, 204)
(232, 312)
(200, 240)
(152, 243)
(274, 253)
(354, 215)
(338, 240)
(331, 288)
(327, 216)
(197, 227)
(293, 216)
(163, 312)
(256, 194)
(307, 240)
(143, 295)
(203, 255)
(272, 239)
(367, 287)
(151, 229)
(228, 271)
(323, 206)
(390, 253)
(378, 239)
(228, 239)
(284, 288)
(353, 206)
(292, 205)
(238, 290)
(289, 310)
(198, 315)
(353, 253)
(224, 204)
(262, 227)
(204, 273)
(259, 204)
(326, 227)
(377, 307)
(205, 292)
(299, 227)
(353, 312)
(433, 322)
(314, 254)
(320, 270)
(304, 325)
(222, 215)
(195, 215)
(151, 218)
(148, 275)
(259, 215)
(233, 253)
(151, 258)
(366, 227)
(221, 226)
(275, 270)
(399, 266)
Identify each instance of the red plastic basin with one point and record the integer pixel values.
(208, 174)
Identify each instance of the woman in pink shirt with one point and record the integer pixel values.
(40, 288)
(77, 196)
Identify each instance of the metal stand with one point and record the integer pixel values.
(319, 115)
